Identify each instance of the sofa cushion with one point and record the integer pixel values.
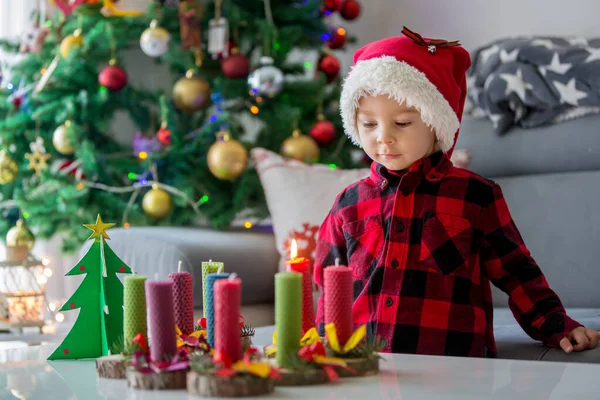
(156, 251)
(557, 215)
(568, 146)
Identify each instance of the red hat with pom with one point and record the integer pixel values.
(427, 74)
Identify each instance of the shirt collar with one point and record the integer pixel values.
(433, 168)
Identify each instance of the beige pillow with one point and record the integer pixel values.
(299, 197)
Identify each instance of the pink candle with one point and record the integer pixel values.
(228, 298)
(302, 266)
(183, 301)
(159, 301)
(338, 300)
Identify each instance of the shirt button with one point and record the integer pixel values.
(399, 227)
(395, 263)
(389, 302)
(383, 183)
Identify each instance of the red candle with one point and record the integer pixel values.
(302, 266)
(228, 300)
(183, 301)
(338, 300)
(159, 301)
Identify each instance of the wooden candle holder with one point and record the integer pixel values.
(302, 377)
(157, 381)
(209, 385)
(360, 367)
(112, 367)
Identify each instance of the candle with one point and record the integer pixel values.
(209, 310)
(183, 300)
(337, 289)
(159, 300)
(288, 315)
(302, 266)
(228, 300)
(209, 267)
(134, 304)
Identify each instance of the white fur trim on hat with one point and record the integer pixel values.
(403, 82)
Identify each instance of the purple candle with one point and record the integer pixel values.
(159, 301)
(183, 301)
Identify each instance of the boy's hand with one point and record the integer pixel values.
(580, 339)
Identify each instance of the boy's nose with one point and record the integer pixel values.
(384, 136)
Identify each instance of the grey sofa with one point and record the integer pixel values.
(550, 177)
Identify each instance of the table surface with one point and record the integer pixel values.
(25, 374)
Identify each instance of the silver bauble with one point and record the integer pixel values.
(267, 80)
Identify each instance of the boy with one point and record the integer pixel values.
(422, 237)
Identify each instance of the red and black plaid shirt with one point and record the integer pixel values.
(423, 248)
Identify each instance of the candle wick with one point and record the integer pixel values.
(220, 270)
(210, 260)
(232, 276)
(337, 261)
(179, 266)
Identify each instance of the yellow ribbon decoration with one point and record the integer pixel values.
(113, 10)
(338, 362)
(195, 334)
(311, 336)
(260, 369)
(352, 342)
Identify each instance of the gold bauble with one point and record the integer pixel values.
(61, 141)
(157, 203)
(69, 41)
(227, 158)
(191, 93)
(8, 168)
(20, 236)
(300, 147)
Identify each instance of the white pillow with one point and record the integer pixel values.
(299, 197)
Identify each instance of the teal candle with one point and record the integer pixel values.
(209, 267)
(288, 315)
(209, 309)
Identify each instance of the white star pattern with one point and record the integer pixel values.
(487, 53)
(495, 118)
(555, 66)
(578, 41)
(569, 93)
(594, 54)
(506, 57)
(543, 42)
(516, 84)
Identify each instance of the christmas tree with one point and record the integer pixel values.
(99, 325)
(231, 69)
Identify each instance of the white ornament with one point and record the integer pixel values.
(155, 40)
(218, 37)
(267, 80)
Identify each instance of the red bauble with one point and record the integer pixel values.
(164, 136)
(17, 101)
(332, 5)
(323, 132)
(338, 39)
(236, 66)
(350, 10)
(113, 77)
(330, 65)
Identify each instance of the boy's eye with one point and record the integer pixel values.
(402, 124)
(369, 124)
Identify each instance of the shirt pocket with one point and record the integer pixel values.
(364, 242)
(446, 243)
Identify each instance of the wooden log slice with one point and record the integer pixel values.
(291, 377)
(206, 385)
(111, 367)
(360, 367)
(160, 381)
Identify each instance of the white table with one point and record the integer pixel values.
(25, 374)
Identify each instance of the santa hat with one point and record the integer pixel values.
(426, 74)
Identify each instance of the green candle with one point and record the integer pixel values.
(134, 304)
(288, 315)
(209, 267)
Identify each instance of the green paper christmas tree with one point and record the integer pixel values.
(99, 326)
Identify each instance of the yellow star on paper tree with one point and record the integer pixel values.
(99, 228)
(37, 161)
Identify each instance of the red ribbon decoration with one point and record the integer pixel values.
(67, 7)
(140, 340)
(308, 353)
(431, 45)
